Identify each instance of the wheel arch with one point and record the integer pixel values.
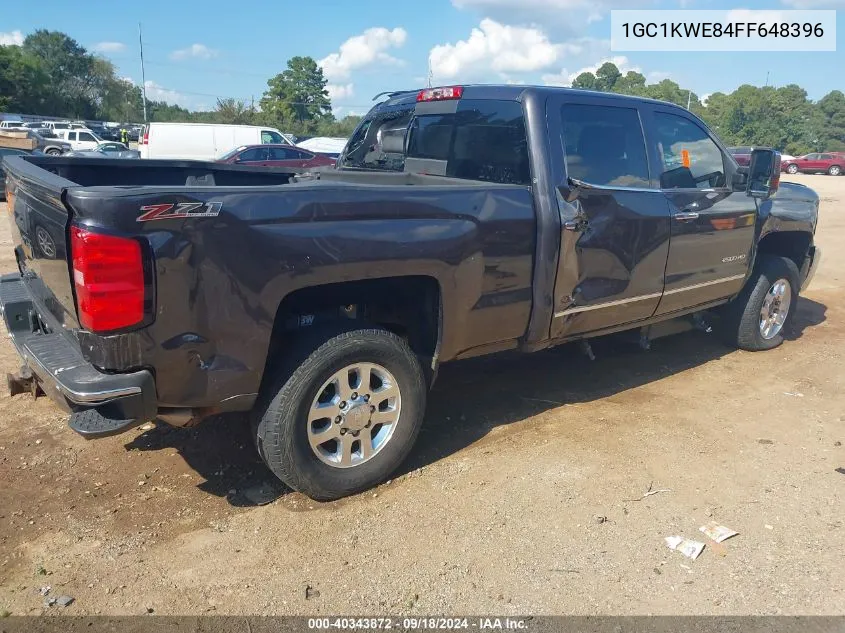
(793, 245)
(410, 306)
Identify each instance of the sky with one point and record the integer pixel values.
(196, 52)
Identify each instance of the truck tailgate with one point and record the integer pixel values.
(39, 223)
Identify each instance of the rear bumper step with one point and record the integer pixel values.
(100, 404)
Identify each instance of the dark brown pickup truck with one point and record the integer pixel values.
(461, 221)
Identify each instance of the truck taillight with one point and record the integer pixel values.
(108, 274)
(441, 94)
(145, 139)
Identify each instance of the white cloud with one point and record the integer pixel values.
(15, 38)
(110, 47)
(704, 98)
(362, 50)
(340, 91)
(498, 47)
(195, 51)
(565, 78)
(158, 93)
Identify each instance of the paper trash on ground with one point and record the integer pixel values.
(717, 532)
(690, 549)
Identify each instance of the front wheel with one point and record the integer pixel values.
(834, 170)
(53, 152)
(792, 169)
(344, 414)
(757, 318)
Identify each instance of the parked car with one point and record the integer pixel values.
(275, 156)
(108, 150)
(11, 125)
(742, 155)
(202, 141)
(81, 139)
(832, 163)
(326, 304)
(8, 151)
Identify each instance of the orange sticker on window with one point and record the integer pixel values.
(685, 157)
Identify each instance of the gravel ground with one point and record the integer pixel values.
(524, 495)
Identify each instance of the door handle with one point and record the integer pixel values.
(686, 216)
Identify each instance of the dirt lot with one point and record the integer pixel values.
(499, 509)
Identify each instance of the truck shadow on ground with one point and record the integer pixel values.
(470, 399)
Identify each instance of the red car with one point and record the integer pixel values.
(275, 156)
(832, 163)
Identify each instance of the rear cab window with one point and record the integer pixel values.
(472, 139)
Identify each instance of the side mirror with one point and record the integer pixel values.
(763, 173)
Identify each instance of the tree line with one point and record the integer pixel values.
(783, 118)
(51, 74)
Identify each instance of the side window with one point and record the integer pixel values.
(255, 153)
(812, 157)
(604, 145)
(483, 140)
(690, 158)
(268, 137)
(71, 136)
(85, 136)
(826, 157)
(300, 155)
(280, 153)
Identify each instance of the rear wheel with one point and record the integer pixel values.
(757, 318)
(344, 414)
(834, 170)
(792, 169)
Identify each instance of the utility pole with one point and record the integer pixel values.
(767, 79)
(143, 76)
(430, 74)
(689, 98)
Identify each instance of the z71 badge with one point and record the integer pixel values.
(180, 210)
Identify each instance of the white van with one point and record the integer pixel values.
(11, 125)
(203, 141)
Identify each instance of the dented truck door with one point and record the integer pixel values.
(614, 219)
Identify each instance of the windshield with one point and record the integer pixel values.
(232, 152)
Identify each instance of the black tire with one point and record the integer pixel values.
(741, 317)
(53, 151)
(279, 423)
(792, 169)
(834, 170)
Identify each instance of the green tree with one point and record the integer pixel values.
(24, 86)
(586, 81)
(606, 77)
(633, 83)
(71, 71)
(831, 112)
(234, 112)
(297, 98)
